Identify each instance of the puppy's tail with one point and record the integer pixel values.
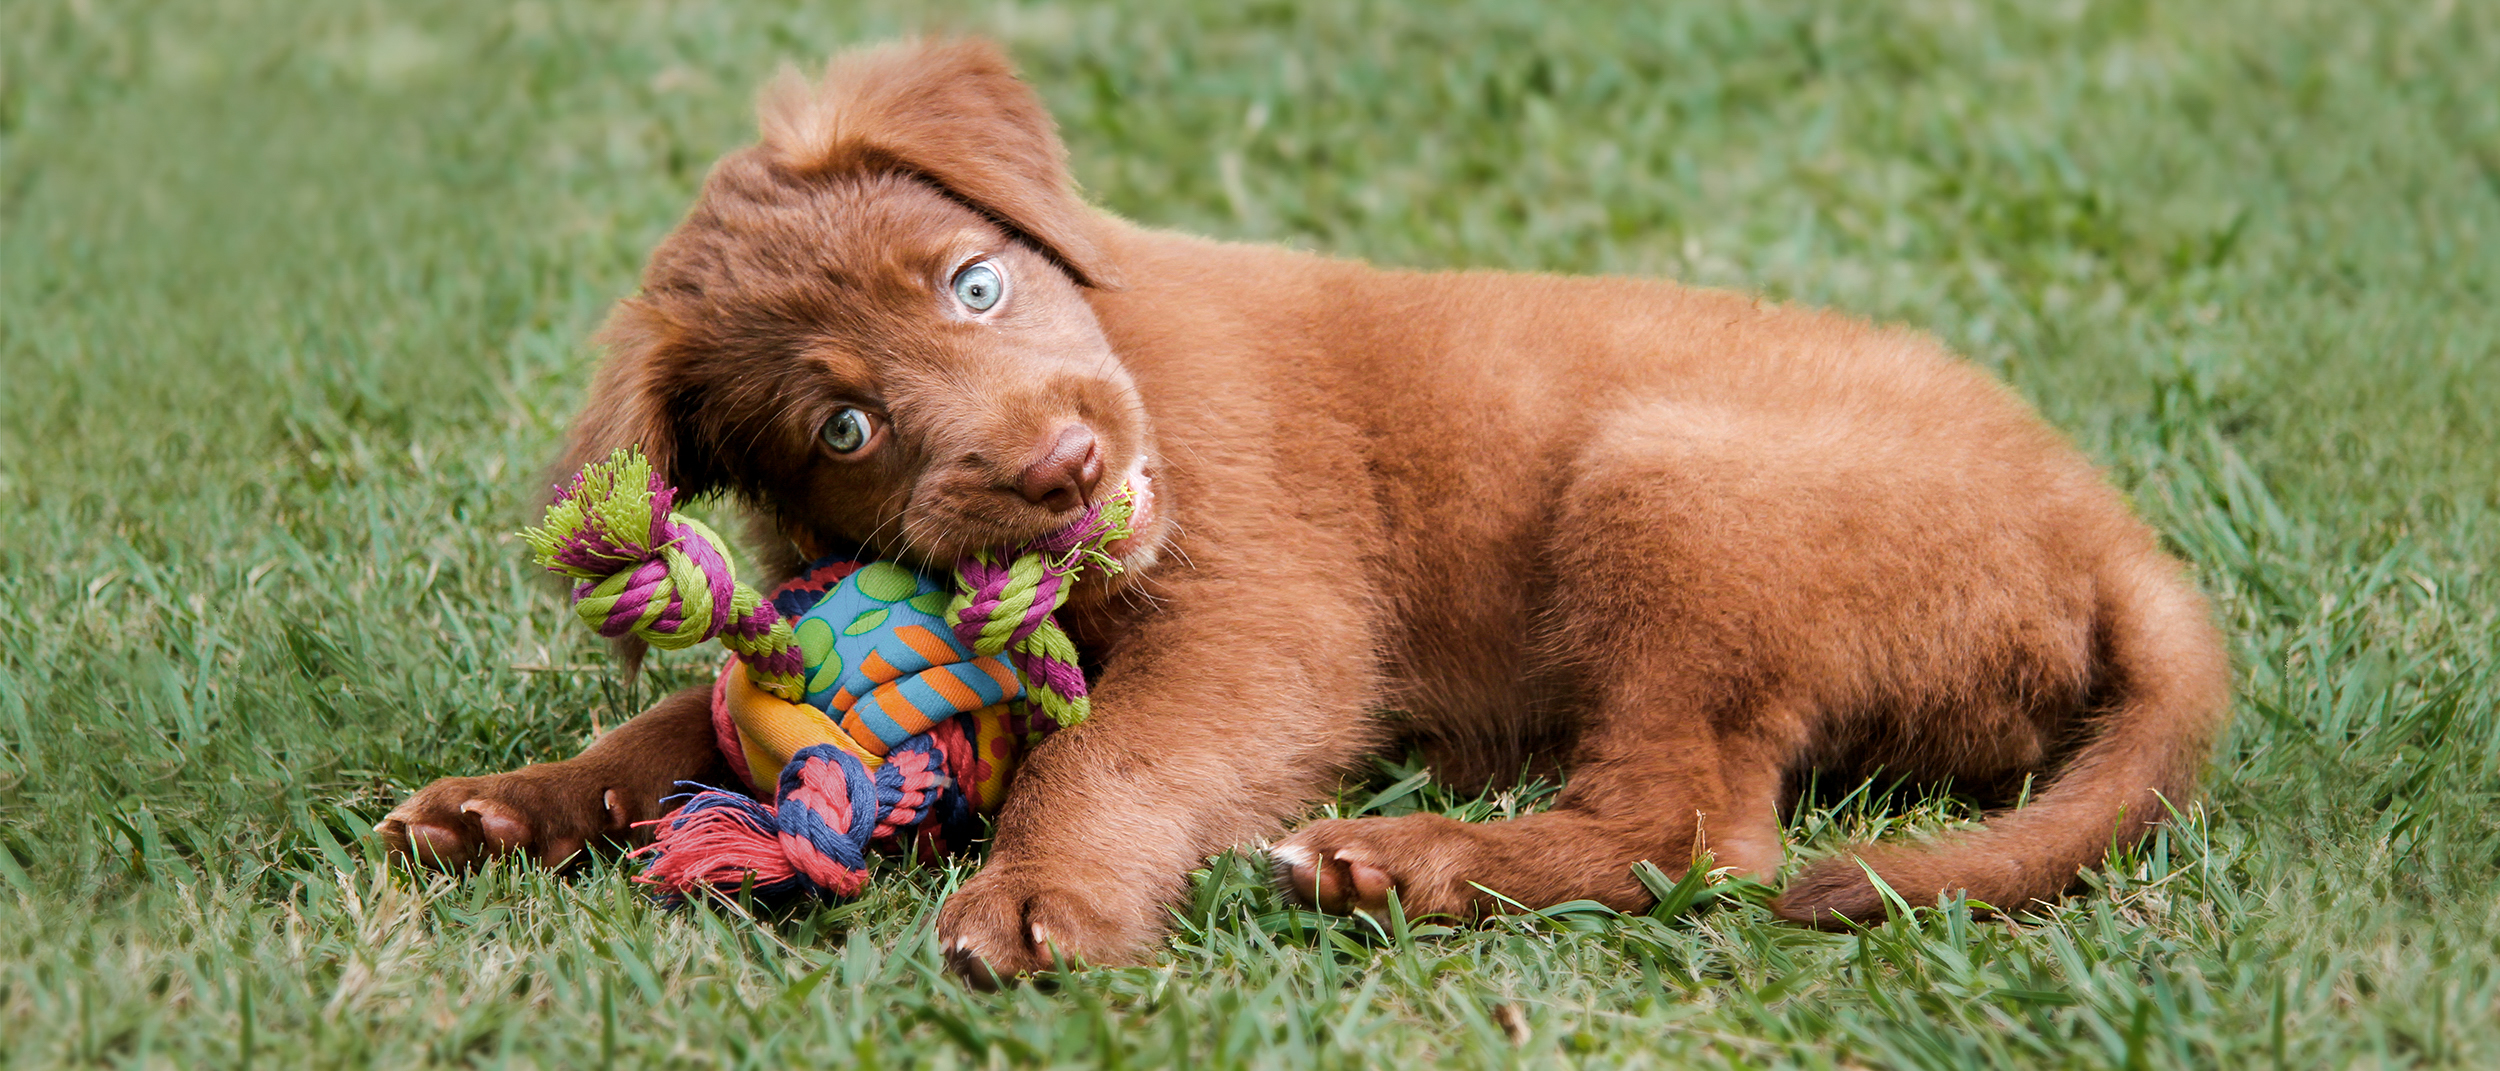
(2171, 682)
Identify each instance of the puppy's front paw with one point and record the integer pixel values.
(1346, 865)
(547, 813)
(1009, 923)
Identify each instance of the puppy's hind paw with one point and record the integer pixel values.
(1336, 881)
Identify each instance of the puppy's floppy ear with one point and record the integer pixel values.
(632, 403)
(629, 406)
(953, 113)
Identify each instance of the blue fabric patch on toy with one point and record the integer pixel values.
(882, 661)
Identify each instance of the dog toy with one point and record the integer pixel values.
(892, 704)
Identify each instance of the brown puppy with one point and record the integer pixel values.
(1690, 545)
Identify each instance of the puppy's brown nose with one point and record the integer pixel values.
(1066, 473)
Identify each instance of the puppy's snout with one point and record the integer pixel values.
(1063, 477)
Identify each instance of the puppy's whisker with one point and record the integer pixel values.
(900, 521)
(894, 517)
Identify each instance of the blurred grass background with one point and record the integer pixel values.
(292, 305)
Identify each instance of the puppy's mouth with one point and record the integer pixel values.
(1136, 548)
(953, 527)
(1121, 520)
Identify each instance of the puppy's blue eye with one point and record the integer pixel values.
(979, 286)
(848, 430)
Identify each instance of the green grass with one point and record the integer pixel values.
(292, 306)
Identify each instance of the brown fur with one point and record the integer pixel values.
(1688, 545)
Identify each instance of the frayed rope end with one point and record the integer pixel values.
(718, 841)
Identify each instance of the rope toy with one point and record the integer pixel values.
(892, 704)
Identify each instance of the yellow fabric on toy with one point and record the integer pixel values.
(772, 729)
(993, 736)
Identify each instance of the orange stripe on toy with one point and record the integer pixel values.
(894, 704)
(860, 737)
(878, 669)
(927, 645)
(858, 734)
(1000, 671)
(950, 687)
(900, 711)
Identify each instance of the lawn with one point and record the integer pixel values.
(294, 300)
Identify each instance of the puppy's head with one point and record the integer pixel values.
(873, 325)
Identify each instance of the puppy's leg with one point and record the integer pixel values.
(1652, 780)
(1686, 717)
(1235, 705)
(550, 811)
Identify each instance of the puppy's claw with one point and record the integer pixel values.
(1288, 856)
(973, 968)
(1289, 869)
